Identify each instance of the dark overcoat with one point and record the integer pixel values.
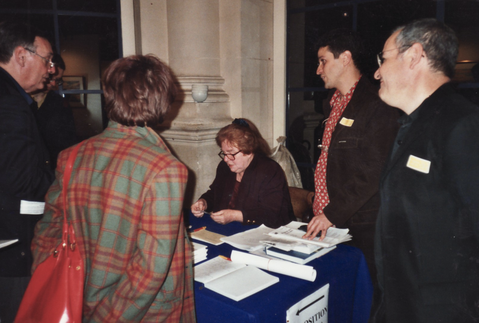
(25, 175)
(428, 224)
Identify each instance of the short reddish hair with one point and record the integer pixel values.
(244, 134)
(138, 90)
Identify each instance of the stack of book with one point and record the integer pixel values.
(200, 252)
(287, 243)
(298, 256)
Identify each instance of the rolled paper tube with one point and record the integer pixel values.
(275, 265)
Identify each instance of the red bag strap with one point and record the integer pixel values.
(66, 180)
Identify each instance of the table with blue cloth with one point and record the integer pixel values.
(344, 268)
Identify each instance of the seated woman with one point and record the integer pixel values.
(249, 186)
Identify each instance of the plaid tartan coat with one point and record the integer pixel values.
(125, 200)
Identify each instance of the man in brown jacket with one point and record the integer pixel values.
(359, 131)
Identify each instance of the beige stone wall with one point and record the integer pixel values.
(226, 44)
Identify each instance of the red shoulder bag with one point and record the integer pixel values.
(55, 292)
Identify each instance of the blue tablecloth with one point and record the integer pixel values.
(345, 269)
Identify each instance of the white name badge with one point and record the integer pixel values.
(419, 164)
(31, 207)
(346, 122)
(312, 308)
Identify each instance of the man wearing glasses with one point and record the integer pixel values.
(359, 131)
(25, 174)
(54, 115)
(427, 238)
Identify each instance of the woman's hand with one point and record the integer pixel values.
(198, 208)
(227, 216)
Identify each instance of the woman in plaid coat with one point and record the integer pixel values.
(125, 200)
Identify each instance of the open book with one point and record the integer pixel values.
(232, 279)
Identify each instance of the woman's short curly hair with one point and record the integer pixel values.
(138, 90)
(244, 134)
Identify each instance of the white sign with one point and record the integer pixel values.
(311, 309)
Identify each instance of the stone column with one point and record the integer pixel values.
(194, 56)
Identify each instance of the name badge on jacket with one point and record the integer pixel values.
(346, 122)
(419, 164)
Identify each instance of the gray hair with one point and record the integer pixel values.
(438, 40)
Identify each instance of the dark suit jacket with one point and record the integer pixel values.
(24, 175)
(428, 225)
(56, 125)
(356, 157)
(263, 195)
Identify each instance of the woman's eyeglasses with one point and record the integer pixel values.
(230, 156)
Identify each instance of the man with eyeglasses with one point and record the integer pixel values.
(359, 131)
(25, 173)
(54, 115)
(427, 237)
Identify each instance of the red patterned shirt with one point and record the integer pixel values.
(338, 104)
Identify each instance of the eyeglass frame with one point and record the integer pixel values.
(380, 54)
(49, 62)
(222, 155)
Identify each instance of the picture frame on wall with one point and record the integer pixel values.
(72, 83)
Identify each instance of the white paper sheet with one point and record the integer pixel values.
(249, 240)
(5, 243)
(333, 237)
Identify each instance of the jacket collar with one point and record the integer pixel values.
(145, 133)
(421, 119)
(13, 83)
